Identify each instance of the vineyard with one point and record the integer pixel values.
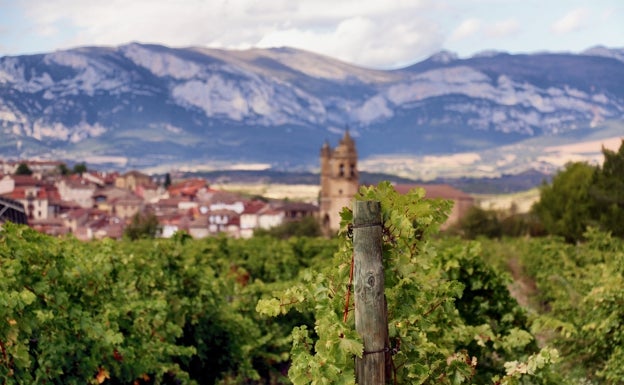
(273, 311)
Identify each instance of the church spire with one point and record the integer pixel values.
(339, 181)
(325, 150)
(346, 139)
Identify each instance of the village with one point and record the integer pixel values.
(96, 205)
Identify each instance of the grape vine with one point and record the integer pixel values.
(430, 339)
(185, 311)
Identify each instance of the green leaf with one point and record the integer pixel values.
(270, 307)
(27, 297)
(351, 346)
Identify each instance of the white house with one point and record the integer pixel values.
(76, 190)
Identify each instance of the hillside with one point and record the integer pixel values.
(495, 185)
(159, 108)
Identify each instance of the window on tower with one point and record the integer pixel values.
(341, 170)
(352, 170)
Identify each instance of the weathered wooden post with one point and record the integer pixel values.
(370, 306)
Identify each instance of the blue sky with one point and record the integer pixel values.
(370, 33)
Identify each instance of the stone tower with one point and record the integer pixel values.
(339, 181)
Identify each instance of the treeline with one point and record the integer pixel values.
(62, 169)
(580, 196)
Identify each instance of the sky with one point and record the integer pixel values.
(383, 34)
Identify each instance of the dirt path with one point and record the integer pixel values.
(523, 289)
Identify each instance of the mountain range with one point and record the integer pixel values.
(154, 107)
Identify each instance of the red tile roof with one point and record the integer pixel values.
(252, 207)
(26, 180)
(21, 193)
(188, 187)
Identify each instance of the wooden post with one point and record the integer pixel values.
(370, 306)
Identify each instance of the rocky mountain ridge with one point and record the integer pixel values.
(141, 106)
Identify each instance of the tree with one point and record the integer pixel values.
(565, 206)
(62, 169)
(607, 191)
(142, 226)
(582, 195)
(80, 168)
(478, 222)
(23, 169)
(167, 180)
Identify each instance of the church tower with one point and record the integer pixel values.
(339, 181)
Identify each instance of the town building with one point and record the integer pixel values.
(132, 179)
(77, 189)
(39, 168)
(95, 205)
(339, 182)
(30, 192)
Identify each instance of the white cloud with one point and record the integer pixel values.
(372, 42)
(572, 21)
(468, 28)
(365, 32)
(371, 33)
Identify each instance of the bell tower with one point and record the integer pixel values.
(339, 181)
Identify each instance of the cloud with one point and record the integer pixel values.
(370, 33)
(366, 32)
(370, 42)
(466, 29)
(572, 21)
(503, 29)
